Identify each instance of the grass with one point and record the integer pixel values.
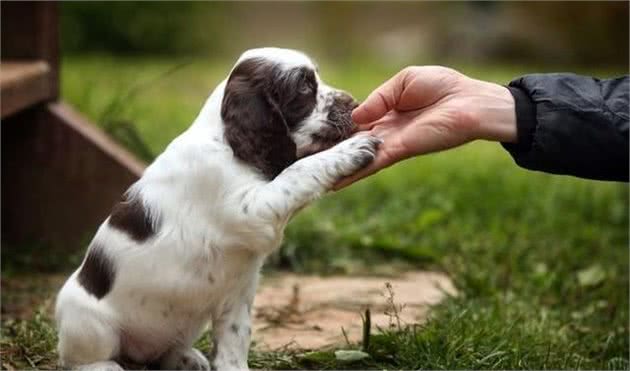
(540, 261)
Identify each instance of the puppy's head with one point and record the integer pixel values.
(276, 110)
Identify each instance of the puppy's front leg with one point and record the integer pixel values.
(311, 177)
(231, 332)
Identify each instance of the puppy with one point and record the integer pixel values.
(185, 245)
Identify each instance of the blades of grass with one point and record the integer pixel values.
(127, 133)
(124, 131)
(345, 336)
(121, 99)
(367, 326)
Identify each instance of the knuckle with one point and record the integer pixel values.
(409, 70)
(409, 73)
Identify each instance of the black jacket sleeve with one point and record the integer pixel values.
(570, 124)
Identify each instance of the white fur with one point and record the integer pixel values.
(218, 220)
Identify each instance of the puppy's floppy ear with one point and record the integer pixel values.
(254, 124)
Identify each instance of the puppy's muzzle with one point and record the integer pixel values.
(339, 117)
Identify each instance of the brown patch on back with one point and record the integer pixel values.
(97, 273)
(130, 216)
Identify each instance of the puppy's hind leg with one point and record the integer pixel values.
(87, 342)
(101, 366)
(184, 359)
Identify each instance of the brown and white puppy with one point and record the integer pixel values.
(185, 245)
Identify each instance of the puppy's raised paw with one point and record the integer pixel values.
(357, 152)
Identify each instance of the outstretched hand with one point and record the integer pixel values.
(429, 109)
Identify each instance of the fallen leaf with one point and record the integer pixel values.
(591, 276)
(350, 355)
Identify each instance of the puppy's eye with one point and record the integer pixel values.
(305, 89)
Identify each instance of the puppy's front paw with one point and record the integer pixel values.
(357, 153)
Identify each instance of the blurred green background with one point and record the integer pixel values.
(582, 33)
(120, 58)
(541, 261)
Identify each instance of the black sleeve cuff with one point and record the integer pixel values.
(525, 121)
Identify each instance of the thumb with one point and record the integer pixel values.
(380, 101)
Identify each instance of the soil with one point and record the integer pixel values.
(309, 312)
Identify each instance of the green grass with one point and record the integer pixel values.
(540, 261)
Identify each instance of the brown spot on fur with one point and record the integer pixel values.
(97, 272)
(130, 216)
(186, 361)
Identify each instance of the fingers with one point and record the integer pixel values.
(380, 101)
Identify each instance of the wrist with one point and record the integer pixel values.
(497, 113)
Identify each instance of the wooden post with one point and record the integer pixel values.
(30, 31)
(60, 173)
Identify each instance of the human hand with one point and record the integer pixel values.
(429, 109)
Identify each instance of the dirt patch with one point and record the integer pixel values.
(309, 312)
(292, 311)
